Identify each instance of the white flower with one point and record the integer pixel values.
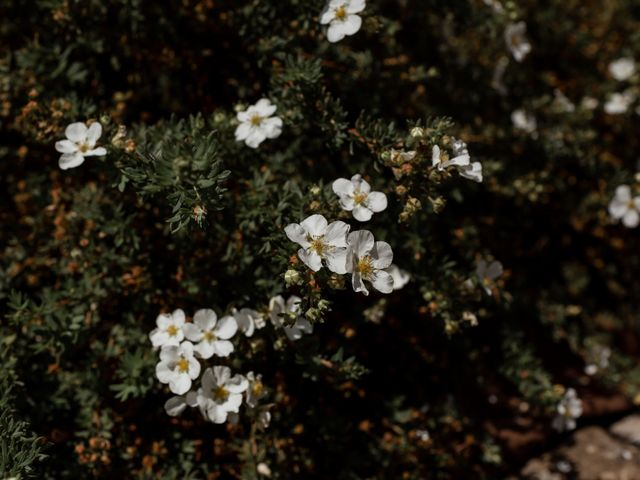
(569, 408)
(622, 69)
(220, 394)
(212, 336)
(624, 206)
(600, 356)
(461, 161)
(80, 143)
(524, 121)
(516, 40)
(256, 390)
(320, 241)
(400, 277)
(341, 17)
(488, 273)
(278, 309)
(257, 124)
(562, 102)
(619, 102)
(176, 405)
(367, 260)
(178, 367)
(248, 320)
(356, 197)
(170, 329)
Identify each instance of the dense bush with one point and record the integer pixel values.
(500, 137)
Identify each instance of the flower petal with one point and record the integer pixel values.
(178, 317)
(242, 131)
(255, 138)
(208, 380)
(237, 384)
(315, 225)
(205, 349)
(175, 406)
(311, 259)
(358, 284)
(163, 372)
(362, 213)
(205, 319)
(180, 383)
(222, 348)
(342, 187)
(66, 146)
(631, 218)
(70, 160)
(296, 233)
(227, 327)
(76, 132)
(265, 108)
(272, 127)
(361, 242)
(382, 281)
(336, 234)
(192, 332)
(623, 193)
(382, 255)
(94, 133)
(96, 152)
(352, 24)
(221, 374)
(356, 6)
(335, 32)
(376, 201)
(337, 260)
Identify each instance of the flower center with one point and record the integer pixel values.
(341, 13)
(220, 394)
(83, 147)
(359, 198)
(183, 365)
(256, 120)
(172, 330)
(257, 388)
(210, 336)
(365, 266)
(631, 205)
(318, 246)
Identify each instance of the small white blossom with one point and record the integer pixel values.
(256, 390)
(356, 197)
(257, 124)
(367, 260)
(220, 394)
(320, 241)
(461, 161)
(176, 405)
(278, 309)
(619, 103)
(248, 320)
(562, 102)
(341, 17)
(589, 103)
(80, 143)
(524, 121)
(400, 277)
(624, 206)
(515, 37)
(488, 273)
(178, 367)
(569, 409)
(212, 336)
(170, 329)
(600, 356)
(622, 69)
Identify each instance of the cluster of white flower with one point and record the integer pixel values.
(220, 394)
(625, 207)
(356, 253)
(516, 40)
(568, 410)
(459, 160)
(622, 70)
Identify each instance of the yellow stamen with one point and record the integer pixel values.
(256, 120)
(172, 330)
(365, 267)
(210, 337)
(183, 365)
(359, 198)
(318, 245)
(257, 388)
(220, 394)
(83, 147)
(341, 13)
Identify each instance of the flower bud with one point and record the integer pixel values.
(292, 277)
(417, 132)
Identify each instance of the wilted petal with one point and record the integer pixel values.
(382, 281)
(175, 406)
(358, 284)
